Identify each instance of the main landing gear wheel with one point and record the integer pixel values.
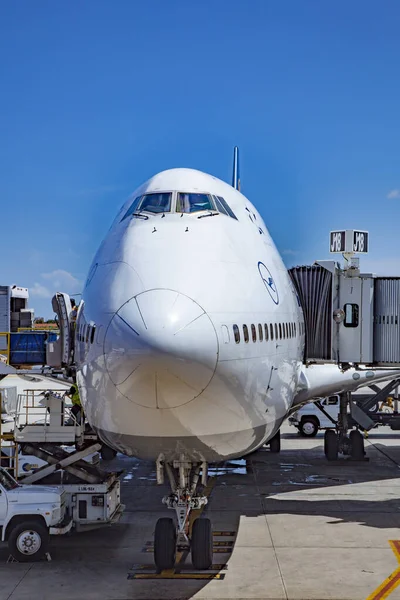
(331, 444)
(202, 544)
(165, 544)
(275, 443)
(357, 445)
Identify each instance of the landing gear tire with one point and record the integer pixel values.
(331, 444)
(275, 443)
(165, 544)
(357, 445)
(202, 544)
(107, 453)
(308, 427)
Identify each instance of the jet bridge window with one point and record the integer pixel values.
(351, 312)
(190, 203)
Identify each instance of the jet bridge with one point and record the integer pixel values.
(353, 320)
(351, 317)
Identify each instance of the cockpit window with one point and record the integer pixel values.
(190, 203)
(155, 203)
(132, 208)
(223, 207)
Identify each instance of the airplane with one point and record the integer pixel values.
(189, 341)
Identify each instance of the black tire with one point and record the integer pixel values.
(357, 445)
(309, 427)
(165, 544)
(202, 544)
(107, 453)
(331, 444)
(33, 536)
(275, 443)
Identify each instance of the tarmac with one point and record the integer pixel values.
(289, 526)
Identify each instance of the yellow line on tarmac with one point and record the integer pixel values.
(390, 582)
(173, 575)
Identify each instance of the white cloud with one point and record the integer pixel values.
(57, 281)
(39, 290)
(393, 194)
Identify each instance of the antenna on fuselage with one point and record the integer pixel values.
(235, 174)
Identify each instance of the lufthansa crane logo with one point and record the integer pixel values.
(268, 282)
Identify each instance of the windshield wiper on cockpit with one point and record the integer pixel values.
(209, 214)
(140, 215)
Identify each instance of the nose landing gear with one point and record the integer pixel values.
(188, 535)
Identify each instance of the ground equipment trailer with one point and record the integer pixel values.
(47, 446)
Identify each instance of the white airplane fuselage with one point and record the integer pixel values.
(161, 367)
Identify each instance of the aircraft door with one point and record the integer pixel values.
(60, 352)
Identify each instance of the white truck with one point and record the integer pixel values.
(309, 419)
(29, 515)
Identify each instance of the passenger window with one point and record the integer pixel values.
(271, 330)
(266, 332)
(190, 203)
(132, 208)
(225, 334)
(92, 334)
(260, 332)
(227, 208)
(287, 330)
(236, 333)
(280, 331)
(245, 333)
(253, 333)
(155, 203)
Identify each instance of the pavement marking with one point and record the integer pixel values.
(390, 582)
(169, 575)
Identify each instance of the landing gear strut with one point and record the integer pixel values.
(339, 441)
(275, 443)
(184, 477)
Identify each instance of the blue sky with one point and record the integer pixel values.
(98, 96)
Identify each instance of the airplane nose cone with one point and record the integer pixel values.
(161, 349)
